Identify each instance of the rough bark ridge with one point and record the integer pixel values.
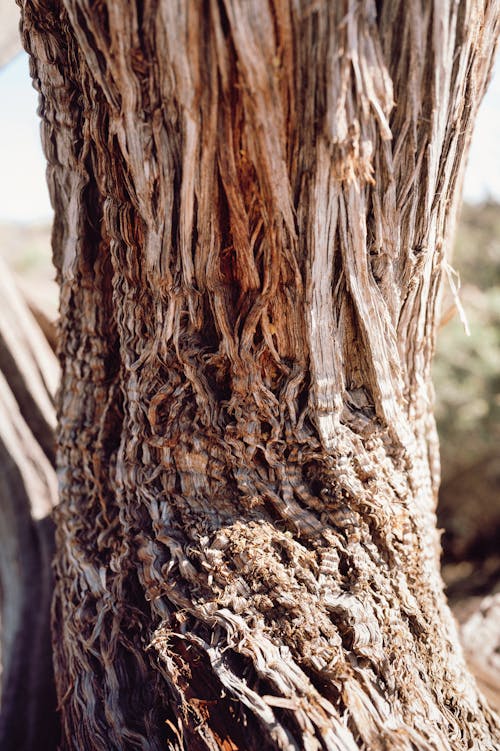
(250, 238)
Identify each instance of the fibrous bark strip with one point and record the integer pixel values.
(254, 202)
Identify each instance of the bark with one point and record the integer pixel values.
(254, 203)
(28, 370)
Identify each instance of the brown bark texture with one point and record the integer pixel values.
(254, 200)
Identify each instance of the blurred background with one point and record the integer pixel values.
(467, 367)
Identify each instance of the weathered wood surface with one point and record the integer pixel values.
(254, 203)
(10, 43)
(28, 363)
(28, 370)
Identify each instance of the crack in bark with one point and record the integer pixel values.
(238, 209)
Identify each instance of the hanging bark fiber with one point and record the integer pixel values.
(254, 203)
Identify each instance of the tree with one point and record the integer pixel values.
(253, 208)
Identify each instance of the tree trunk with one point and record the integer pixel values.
(254, 201)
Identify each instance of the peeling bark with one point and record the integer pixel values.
(254, 204)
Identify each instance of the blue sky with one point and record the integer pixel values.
(23, 193)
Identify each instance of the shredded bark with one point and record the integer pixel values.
(254, 203)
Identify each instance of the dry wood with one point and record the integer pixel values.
(254, 204)
(28, 363)
(42, 308)
(27, 496)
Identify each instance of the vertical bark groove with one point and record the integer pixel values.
(253, 208)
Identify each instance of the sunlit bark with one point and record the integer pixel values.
(254, 202)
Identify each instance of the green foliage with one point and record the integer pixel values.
(467, 368)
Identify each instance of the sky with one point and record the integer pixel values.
(23, 192)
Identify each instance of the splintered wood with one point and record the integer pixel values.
(254, 202)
